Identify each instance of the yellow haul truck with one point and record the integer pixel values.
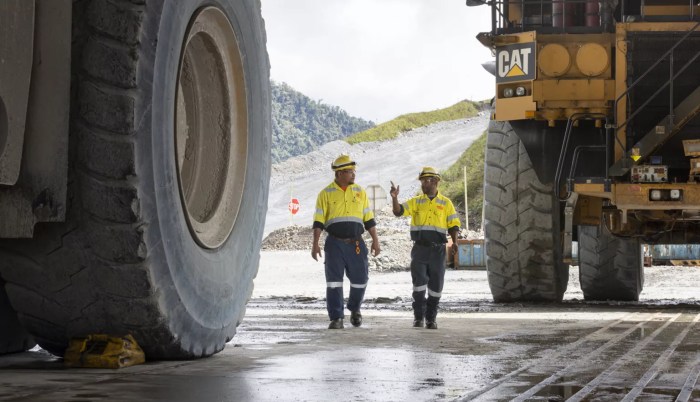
(134, 167)
(594, 128)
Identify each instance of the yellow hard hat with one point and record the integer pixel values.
(428, 171)
(343, 162)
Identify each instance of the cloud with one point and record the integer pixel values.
(378, 59)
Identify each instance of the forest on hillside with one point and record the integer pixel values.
(301, 124)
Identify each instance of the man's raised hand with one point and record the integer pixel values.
(394, 192)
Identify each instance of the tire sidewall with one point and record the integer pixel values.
(202, 291)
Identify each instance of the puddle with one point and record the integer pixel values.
(385, 374)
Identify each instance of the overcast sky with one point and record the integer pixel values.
(378, 59)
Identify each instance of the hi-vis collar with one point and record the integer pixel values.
(515, 62)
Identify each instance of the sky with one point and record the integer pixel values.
(378, 59)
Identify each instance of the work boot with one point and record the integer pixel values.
(431, 325)
(336, 324)
(356, 318)
(418, 323)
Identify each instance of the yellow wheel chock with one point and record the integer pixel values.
(103, 351)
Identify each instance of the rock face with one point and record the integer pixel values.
(394, 239)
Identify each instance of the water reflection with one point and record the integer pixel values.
(377, 374)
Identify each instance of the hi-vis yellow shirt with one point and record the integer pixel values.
(343, 213)
(430, 219)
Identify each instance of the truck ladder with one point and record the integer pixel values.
(657, 136)
(668, 126)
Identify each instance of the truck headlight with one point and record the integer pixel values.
(655, 195)
(508, 93)
(675, 194)
(520, 91)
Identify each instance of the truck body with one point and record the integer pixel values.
(134, 167)
(595, 137)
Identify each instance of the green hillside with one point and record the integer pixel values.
(452, 183)
(301, 124)
(406, 122)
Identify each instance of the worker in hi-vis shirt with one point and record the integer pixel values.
(342, 210)
(433, 217)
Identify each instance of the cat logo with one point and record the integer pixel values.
(515, 62)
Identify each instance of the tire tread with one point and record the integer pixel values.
(610, 268)
(521, 256)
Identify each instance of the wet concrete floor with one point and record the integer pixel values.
(482, 351)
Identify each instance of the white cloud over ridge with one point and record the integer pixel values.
(378, 59)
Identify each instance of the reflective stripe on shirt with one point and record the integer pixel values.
(343, 213)
(431, 219)
(344, 219)
(433, 228)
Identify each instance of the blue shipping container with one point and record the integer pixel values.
(667, 252)
(470, 253)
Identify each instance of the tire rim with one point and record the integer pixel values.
(211, 128)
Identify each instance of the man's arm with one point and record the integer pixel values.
(316, 248)
(453, 234)
(453, 224)
(319, 225)
(395, 206)
(376, 248)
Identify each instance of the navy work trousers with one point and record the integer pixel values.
(343, 258)
(427, 273)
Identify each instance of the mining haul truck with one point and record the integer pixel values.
(134, 170)
(594, 137)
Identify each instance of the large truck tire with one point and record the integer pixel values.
(610, 267)
(13, 337)
(522, 224)
(168, 180)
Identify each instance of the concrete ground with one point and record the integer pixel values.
(482, 350)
